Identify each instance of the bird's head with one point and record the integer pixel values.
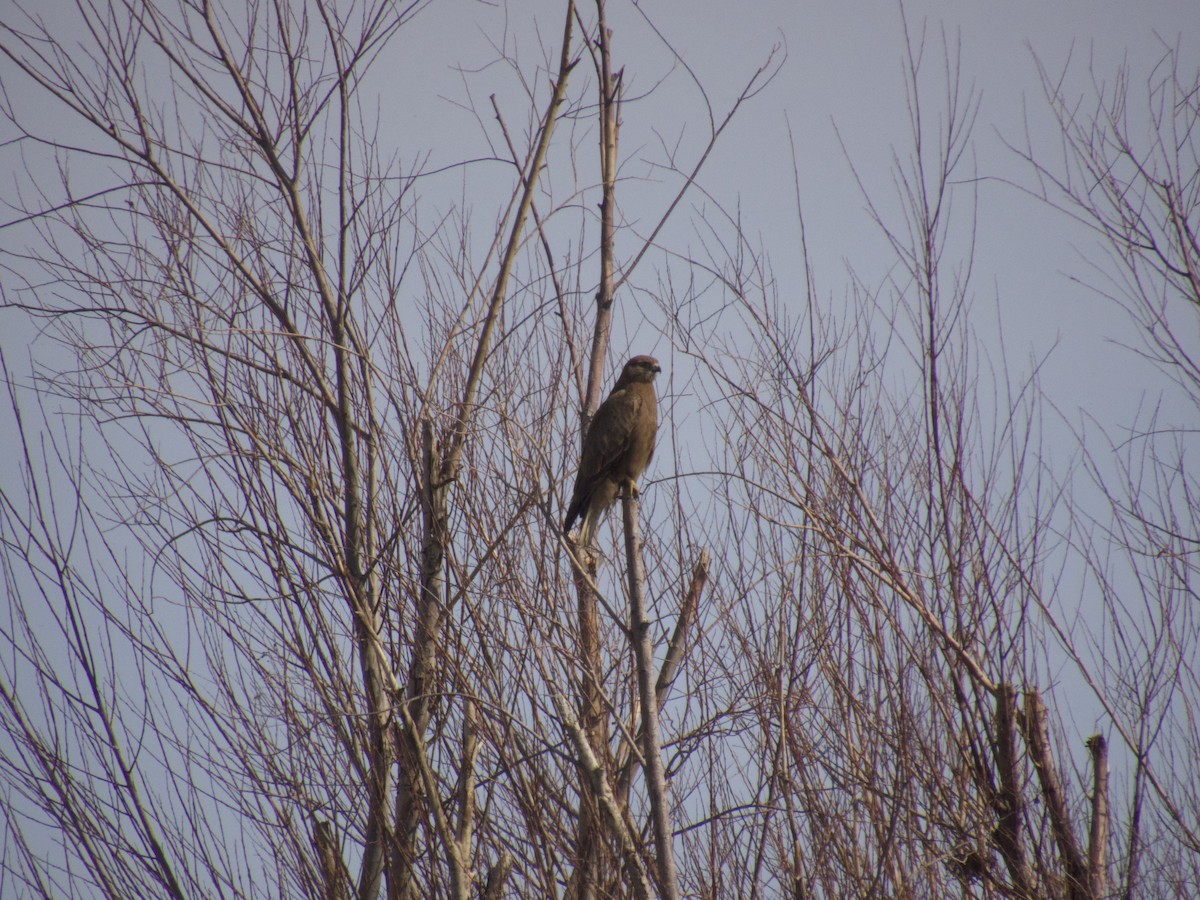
(640, 368)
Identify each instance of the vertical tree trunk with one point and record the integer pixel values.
(1098, 836)
(1037, 739)
(1007, 799)
(592, 853)
(643, 653)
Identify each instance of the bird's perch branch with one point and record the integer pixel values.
(591, 849)
(671, 663)
(643, 652)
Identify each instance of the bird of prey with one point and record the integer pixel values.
(617, 448)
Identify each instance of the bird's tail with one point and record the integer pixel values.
(591, 524)
(577, 508)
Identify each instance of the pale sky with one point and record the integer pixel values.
(843, 69)
(842, 74)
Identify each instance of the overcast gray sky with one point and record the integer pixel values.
(843, 76)
(843, 68)
(838, 99)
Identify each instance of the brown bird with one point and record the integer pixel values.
(617, 448)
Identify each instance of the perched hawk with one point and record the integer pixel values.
(618, 446)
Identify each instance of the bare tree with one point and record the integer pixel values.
(322, 417)
(883, 697)
(289, 609)
(1128, 170)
